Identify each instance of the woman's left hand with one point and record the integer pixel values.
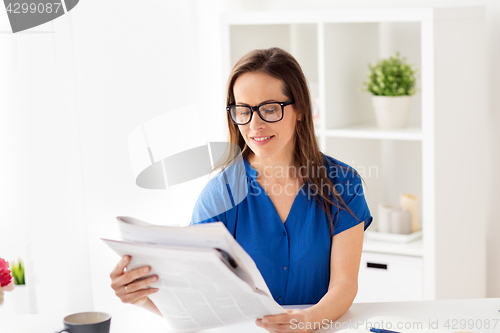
(297, 321)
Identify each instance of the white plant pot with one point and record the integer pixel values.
(392, 111)
(16, 301)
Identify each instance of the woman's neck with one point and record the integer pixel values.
(278, 168)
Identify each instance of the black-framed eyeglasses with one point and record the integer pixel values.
(269, 112)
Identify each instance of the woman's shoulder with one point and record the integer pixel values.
(222, 193)
(228, 184)
(232, 175)
(338, 171)
(215, 183)
(348, 184)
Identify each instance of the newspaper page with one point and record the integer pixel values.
(207, 235)
(196, 288)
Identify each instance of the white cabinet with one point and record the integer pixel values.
(389, 278)
(438, 157)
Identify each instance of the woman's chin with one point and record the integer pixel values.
(261, 153)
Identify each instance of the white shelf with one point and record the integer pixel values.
(414, 249)
(369, 130)
(426, 159)
(417, 14)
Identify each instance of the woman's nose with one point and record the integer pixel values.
(256, 123)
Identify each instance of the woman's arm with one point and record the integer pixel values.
(344, 268)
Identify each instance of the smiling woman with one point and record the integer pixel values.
(304, 213)
(303, 218)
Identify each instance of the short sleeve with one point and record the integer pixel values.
(221, 195)
(351, 191)
(212, 203)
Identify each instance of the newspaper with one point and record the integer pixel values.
(206, 279)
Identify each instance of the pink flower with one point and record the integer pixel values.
(5, 275)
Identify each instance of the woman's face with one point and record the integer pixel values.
(266, 140)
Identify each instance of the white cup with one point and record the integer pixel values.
(384, 217)
(400, 221)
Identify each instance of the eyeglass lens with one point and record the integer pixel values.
(269, 112)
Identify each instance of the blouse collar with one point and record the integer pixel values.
(251, 172)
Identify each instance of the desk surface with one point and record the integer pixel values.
(139, 320)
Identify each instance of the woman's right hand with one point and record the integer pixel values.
(127, 286)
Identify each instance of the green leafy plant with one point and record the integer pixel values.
(18, 272)
(391, 77)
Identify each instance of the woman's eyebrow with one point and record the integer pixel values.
(245, 104)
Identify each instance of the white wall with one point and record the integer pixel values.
(133, 65)
(43, 211)
(70, 97)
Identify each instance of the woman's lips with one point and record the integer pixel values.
(262, 140)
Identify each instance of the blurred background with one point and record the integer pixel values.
(73, 89)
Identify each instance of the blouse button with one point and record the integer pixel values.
(285, 268)
(280, 298)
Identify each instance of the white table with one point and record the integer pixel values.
(138, 320)
(441, 311)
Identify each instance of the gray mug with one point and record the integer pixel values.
(87, 322)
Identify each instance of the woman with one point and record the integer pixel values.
(304, 213)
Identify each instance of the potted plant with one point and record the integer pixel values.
(6, 282)
(17, 301)
(392, 82)
(18, 272)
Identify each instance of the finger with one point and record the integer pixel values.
(140, 284)
(272, 327)
(277, 319)
(283, 327)
(129, 277)
(135, 296)
(118, 270)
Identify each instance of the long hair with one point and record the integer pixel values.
(283, 66)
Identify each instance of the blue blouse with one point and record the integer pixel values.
(293, 257)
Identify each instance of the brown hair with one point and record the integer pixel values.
(283, 66)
